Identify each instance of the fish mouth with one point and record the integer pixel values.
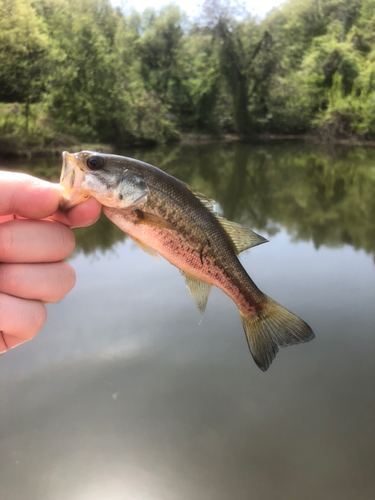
(71, 178)
(67, 172)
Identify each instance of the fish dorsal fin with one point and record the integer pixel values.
(145, 247)
(198, 290)
(241, 237)
(207, 202)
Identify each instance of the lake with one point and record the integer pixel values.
(124, 394)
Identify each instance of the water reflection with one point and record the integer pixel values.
(315, 194)
(122, 395)
(319, 195)
(98, 238)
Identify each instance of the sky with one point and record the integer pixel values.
(192, 7)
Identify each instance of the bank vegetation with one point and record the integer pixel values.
(82, 70)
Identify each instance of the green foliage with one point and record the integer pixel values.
(25, 50)
(81, 94)
(201, 82)
(13, 122)
(89, 70)
(142, 112)
(324, 77)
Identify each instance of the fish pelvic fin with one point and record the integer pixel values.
(145, 248)
(198, 290)
(274, 327)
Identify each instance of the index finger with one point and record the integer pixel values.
(27, 196)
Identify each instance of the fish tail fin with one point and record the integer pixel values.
(272, 328)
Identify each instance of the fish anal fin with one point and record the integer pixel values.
(272, 328)
(153, 220)
(145, 247)
(198, 290)
(242, 237)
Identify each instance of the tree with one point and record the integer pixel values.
(244, 56)
(81, 95)
(25, 53)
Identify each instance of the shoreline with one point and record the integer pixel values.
(54, 151)
(313, 138)
(14, 153)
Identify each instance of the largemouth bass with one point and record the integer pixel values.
(167, 217)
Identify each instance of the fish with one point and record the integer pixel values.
(167, 217)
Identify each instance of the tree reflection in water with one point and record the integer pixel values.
(323, 195)
(326, 196)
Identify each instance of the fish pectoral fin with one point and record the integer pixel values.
(198, 290)
(153, 220)
(242, 238)
(145, 247)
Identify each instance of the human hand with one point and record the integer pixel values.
(34, 239)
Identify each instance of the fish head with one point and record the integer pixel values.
(112, 180)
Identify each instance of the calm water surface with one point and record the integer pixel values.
(125, 396)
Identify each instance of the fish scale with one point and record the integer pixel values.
(167, 217)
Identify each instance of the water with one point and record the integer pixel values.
(123, 395)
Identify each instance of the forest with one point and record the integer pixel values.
(87, 71)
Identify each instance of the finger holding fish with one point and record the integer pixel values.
(46, 282)
(34, 238)
(26, 241)
(82, 215)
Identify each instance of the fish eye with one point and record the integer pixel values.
(95, 162)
